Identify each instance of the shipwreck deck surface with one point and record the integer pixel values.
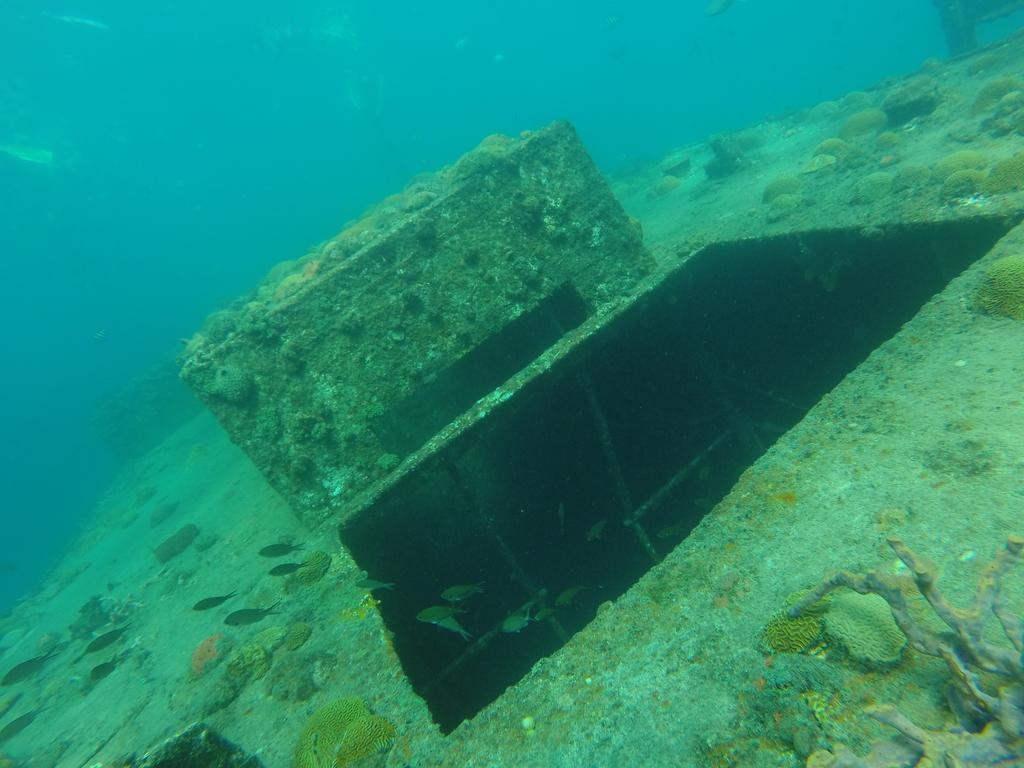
(921, 441)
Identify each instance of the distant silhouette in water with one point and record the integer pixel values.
(961, 17)
(716, 7)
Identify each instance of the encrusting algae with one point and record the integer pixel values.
(340, 733)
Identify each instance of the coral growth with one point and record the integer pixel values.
(1006, 176)
(961, 160)
(785, 634)
(866, 121)
(312, 570)
(205, 653)
(232, 384)
(727, 157)
(872, 188)
(864, 627)
(665, 184)
(992, 723)
(250, 662)
(297, 635)
(994, 90)
(962, 183)
(784, 185)
(340, 733)
(792, 634)
(1002, 290)
(918, 97)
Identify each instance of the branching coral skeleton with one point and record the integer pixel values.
(998, 716)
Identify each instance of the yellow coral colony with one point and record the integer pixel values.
(340, 733)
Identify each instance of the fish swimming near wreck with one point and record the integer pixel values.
(566, 596)
(28, 668)
(516, 620)
(18, 724)
(279, 550)
(248, 616)
(212, 602)
(284, 569)
(443, 616)
(595, 531)
(460, 592)
(105, 640)
(101, 671)
(372, 584)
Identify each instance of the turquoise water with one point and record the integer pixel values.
(161, 156)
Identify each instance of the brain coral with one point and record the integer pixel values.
(863, 625)
(994, 90)
(865, 121)
(962, 183)
(784, 185)
(312, 570)
(783, 634)
(1006, 175)
(872, 188)
(960, 160)
(340, 733)
(297, 635)
(1002, 290)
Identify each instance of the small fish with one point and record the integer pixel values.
(566, 595)
(372, 584)
(105, 640)
(461, 592)
(100, 335)
(27, 669)
(212, 602)
(284, 569)
(443, 616)
(80, 21)
(249, 616)
(716, 7)
(100, 671)
(453, 626)
(279, 550)
(516, 621)
(546, 612)
(17, 725)
(595, 531)
(436, 613)
(561, 517)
